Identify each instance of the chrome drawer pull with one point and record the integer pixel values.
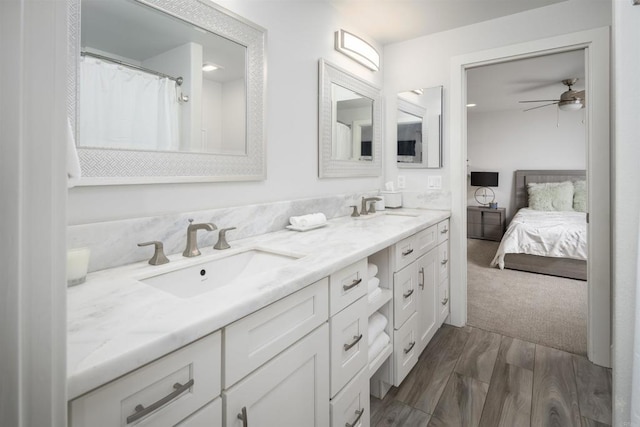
(352, 285)
(407, 252)
(408, 294)
(243, 416)
(444, 231)
(141, 411)
(356, 340)
(407, 350)
(445, 301)
(355, 423)
(421, 283)
(444, 261)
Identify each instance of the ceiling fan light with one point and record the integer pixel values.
(572, 105)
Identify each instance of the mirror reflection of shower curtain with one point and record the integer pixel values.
(125, 108)
(343, 149)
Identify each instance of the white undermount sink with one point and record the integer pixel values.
(204, 277)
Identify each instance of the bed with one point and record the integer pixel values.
(553, 243)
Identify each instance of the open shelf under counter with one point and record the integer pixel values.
(382, 298)
(382, 357)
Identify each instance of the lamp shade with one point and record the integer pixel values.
(484, 179)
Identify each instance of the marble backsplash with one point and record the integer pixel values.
(426, 199)
(114, 243)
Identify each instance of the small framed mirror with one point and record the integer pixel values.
(419, 128)
(349, 124)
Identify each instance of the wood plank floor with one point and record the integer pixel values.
(470, 377)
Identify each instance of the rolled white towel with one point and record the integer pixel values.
(374, 294)
(372, 284)
(377, 323)
(309, 220)
(372, 270)
(378, 345)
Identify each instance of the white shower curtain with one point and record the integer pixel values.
(125, 108)
(343, 148)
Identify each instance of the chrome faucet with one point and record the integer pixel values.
(192, 237)
(363, 209)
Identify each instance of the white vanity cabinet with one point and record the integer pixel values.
(443, 272)
(179, 389)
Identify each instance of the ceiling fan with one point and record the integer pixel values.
(570, 100)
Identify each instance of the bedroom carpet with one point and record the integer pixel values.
(546, 310)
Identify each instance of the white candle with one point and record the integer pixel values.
(77, 264)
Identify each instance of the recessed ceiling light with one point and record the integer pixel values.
(471, 105)
(210, 67)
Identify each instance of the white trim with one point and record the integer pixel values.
(596, 44)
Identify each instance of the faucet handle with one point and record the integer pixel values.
(355, 211)
(158, 257)
(222, 239)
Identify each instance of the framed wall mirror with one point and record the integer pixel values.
(350, 121)
(167, 91)
(419, 128)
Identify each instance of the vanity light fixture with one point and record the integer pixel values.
(357, 49)
(208, 66)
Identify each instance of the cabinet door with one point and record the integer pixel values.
(405, 349)
(209, 416)
(427, 267)
(443, 261)
(351, 405)
(443, 301)
(405, 284)
(291, 390)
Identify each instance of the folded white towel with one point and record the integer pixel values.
(377, 323)
(374, 294)
(378, 345)
(372, 270)
(73, 162)
(372, 284)
(309, 220)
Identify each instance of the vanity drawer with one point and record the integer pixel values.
(411, 248)
(253, 340)
(426, 240)
(347, 285)
(209, 416)
(352, 403)
(443, 300)
(443, 231)
(405, 349)
(443, 260)
(405, 286)
(349, 350)
(196, 368)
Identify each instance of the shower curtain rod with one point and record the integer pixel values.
(178, 80)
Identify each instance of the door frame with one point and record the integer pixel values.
(595, 43)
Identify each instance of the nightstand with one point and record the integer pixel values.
(485, 223)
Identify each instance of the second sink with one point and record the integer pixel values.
(204, 277)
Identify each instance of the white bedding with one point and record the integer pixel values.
(544, 233)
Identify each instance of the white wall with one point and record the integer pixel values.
(626, 205)
(506, 141)
(426, 62)
(299, 34)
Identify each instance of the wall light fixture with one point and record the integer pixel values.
(357, 49)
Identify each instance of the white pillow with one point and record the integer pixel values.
(580, 196)
(551, 196)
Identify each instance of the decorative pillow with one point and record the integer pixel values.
(580, 196)
(551, 196)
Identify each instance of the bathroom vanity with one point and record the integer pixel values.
(287, 346)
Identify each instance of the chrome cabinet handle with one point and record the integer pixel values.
(356, 340)
(355, 422)
(243, 416)
(421, 283)
(352, 285)
(407, 252)
(445, 301)
(408, 294)
(407, 350)
(444, 261)
(444, 231)
(141, 411)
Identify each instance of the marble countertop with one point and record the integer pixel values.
(116, 324)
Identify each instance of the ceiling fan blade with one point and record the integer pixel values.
(539, 106)
(542, 100)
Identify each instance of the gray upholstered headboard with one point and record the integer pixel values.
(525, 177)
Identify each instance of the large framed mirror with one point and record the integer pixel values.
(167, 91)
(419, 128)
(350, 120)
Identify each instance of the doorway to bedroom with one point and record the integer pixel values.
(518, 135)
